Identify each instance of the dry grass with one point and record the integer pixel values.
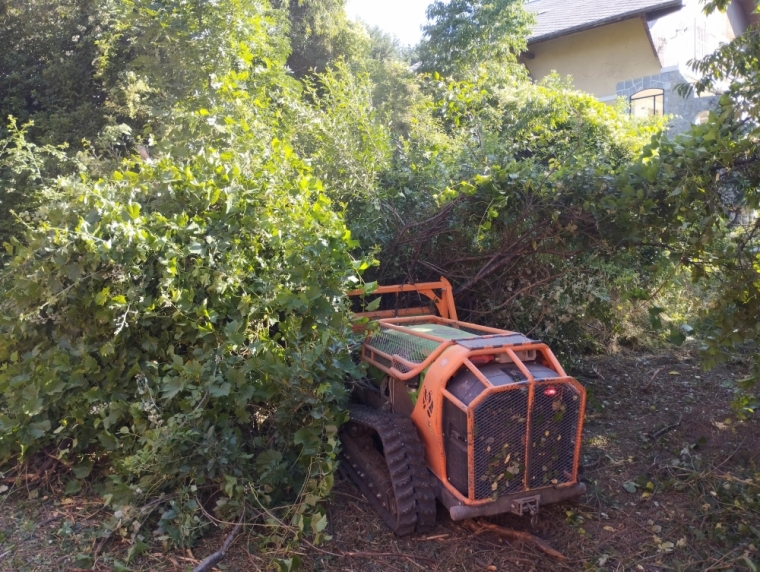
(696, 505)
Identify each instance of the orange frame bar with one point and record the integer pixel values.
(444, 303)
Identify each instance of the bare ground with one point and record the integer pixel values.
(673, 484)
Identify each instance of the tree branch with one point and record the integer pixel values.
(209, 562)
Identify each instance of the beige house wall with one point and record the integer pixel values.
(597, 59)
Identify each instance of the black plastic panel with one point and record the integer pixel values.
(455, 444)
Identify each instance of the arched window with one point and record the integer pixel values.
(648, 102)
(701, 117)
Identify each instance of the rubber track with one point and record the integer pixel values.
(405, 457)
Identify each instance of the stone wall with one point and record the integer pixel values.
(683, 110)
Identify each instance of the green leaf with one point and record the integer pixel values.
(109, 442)
(318, 523)
(73, 486)
(219, 390)
(39, 428)
(102, 297)
(654, 317)
(630, 486)
(172, 386)
(374, 305)
(83, 561)
(120, 567)
(83, 469)
(676, 337)
(139, 547)
(288, 564)
(133, 209)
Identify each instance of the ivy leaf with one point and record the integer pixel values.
(83, 469)
(139, 547)
(133, 210)
(676, 337)
(172, 386)
(288, 564)
(39, 428)
(102, 297)
(219, 390)
(318, 523)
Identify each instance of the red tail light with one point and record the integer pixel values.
(550, 391)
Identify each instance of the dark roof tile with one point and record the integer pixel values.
(556, 18)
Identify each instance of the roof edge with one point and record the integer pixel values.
(604, 22)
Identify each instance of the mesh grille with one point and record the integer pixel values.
(554, 428)
(408, 346)
(499, 443)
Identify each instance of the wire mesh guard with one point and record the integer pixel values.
(554, 429)
(500, 424)
(415, 340)
(401, 344)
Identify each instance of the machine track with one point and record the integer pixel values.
(384, 457)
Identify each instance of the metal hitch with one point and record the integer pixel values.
(526, 504)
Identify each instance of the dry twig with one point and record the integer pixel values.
(651, 380)
(656, 435)
(209, 562)
(508, 533)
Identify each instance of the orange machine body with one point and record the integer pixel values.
(496, 412)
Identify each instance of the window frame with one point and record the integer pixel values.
(652, 93)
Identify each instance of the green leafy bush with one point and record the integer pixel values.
(28, 176)
(181, 326)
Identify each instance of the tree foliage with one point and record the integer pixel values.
(28, 176)
(696, 198)
(504, 182)
(320, 33)
(46, 71)
(179, 327)
(173, 322)
(461, 34)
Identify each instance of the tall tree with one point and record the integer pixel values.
(320, 32)
(46, 71)
(461, 34)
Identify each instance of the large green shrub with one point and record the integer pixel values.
(184, 320)
(178, 328)
(496, 187)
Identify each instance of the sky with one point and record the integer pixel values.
(401, 18)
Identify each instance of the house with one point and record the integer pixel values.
(635, 49)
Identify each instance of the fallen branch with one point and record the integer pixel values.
(651, 381)
(50, 520)
(209, 562)
(511, 534)
(592, 465)
(667, 429)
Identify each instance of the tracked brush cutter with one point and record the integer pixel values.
(484, 420)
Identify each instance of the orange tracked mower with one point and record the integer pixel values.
(484, 420)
